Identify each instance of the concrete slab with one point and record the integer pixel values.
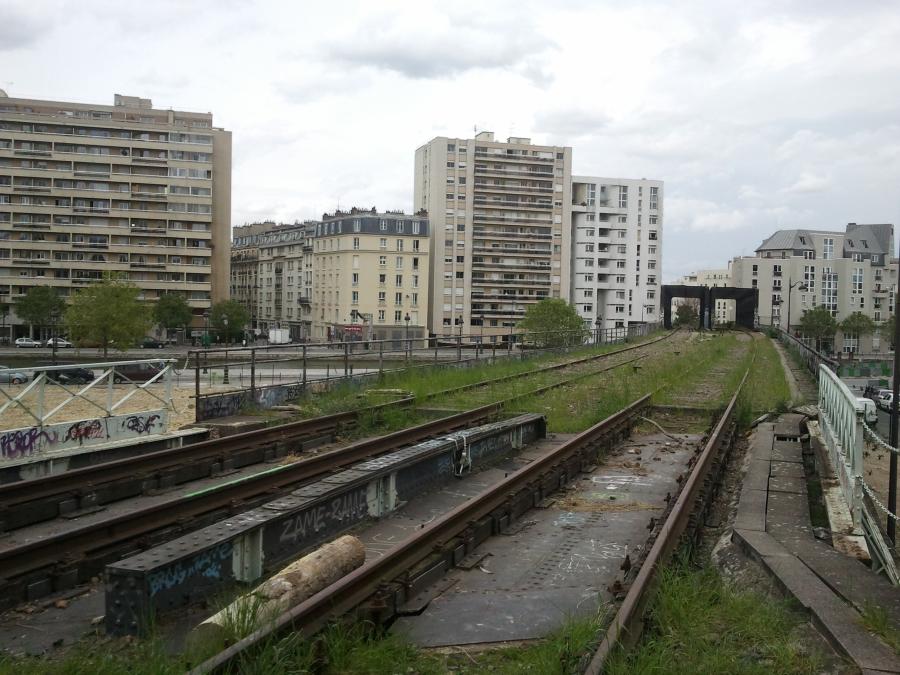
(787, 451)
(757, 476)
(751, 513)
(758, 544)
(787, 469)
(561, 562)
(790, 484)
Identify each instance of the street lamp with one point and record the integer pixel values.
(480, 319)
(803, 287)
(459, 322)
(408, 346)
(206, 339)
(225, 373)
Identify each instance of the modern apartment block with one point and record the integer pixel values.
(354, 275)
(86, 189)
(616, 250)
(724, 311)
(846, 272)
(500, 216)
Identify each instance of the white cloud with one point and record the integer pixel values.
(809, 182)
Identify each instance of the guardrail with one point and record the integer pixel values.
(811, 358)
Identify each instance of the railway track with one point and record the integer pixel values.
(37, 500)
(67, 558)
(413, 565)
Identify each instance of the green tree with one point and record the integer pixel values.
(553, 323)
(237, 319)
(857, 324)
(818, 324)
(108, 313)
(886, 330)
(686, 314)
(39, 306)
(172, 311)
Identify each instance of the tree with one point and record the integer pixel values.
(686, 314)
(237, 315)
(40, 306)
(818, 324)
(553, 322)
(108, 313)
(886, 330)
(857, 324)
(172, 311)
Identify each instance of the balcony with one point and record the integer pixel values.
(496, 234)
(496, 187)
(478, 281)
(513, 158)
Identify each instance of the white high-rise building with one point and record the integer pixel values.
(616, 250)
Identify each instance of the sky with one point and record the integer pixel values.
(758, 115)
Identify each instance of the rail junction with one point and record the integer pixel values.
(481, 525)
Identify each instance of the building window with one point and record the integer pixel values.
(623, 196)
(354, 297)
(398, 298)
(398, 316)
(382, 261)
(399, 244)
(355, 243)
(399, 262)
(654, 197)
(382, 243)
(382, 279)
(828, 248)
(356, 278)
(398, 280)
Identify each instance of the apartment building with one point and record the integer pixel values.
(86, 189)
(724, 311)
(370, 275)
(500, 215)
(616, 250)
(850, 271)
(283, 293)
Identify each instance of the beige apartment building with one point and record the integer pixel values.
(355, 275)
(370, 275)
(500, 215)
(86, 189)
(846, 272)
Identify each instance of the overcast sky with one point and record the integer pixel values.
(757, 115)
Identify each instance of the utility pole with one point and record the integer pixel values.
(895, 387)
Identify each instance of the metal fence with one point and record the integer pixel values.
(806, 354)
(844, 428)
(269, 375)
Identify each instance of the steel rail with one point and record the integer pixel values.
(58, 485)
(82, 541)
(353, 589)
(627, 623)
(78, 481)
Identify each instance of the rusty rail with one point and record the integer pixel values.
(627, 623)
(343, 596)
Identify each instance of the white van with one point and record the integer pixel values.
(867, 406)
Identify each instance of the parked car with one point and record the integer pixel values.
(71, 374)
(136, 372)
(11, 376)
(867, 405)
(152, 343)
(60, 343)
(27, 342)
(884, 400)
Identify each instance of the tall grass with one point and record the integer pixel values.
(698, 623)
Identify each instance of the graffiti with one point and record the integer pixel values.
(24, 442)
(343, 510)
(205, 565)
(140, 424)
(221, 406)
(85, 430)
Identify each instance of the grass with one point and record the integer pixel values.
(877, 620)
(700, 624)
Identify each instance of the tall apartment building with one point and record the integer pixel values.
(500, 217)
(846, 272)
(724, 311)
(282, 292)
(616, 250)
(86, 189)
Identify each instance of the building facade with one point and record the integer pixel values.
(87, 189)
(724, 310)
(500, 215)
(616, 250)
(370, 275)
(846, 272)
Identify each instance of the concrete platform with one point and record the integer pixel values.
(560, 559)
(773, 526)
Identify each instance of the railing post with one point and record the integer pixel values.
(381, 357)
(459, 349)
(225, 370)
(196, 386)
(253, 372)
(304, 367)
(346, 359)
